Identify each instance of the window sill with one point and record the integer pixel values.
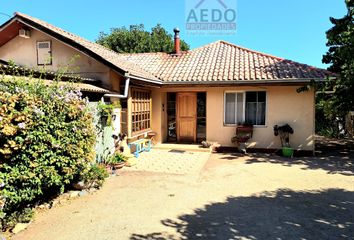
(254, 126)
(139, 133)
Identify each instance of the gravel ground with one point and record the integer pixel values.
(232, 197)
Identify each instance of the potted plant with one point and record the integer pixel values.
(117, 161)
(244, 132)
(284, 132)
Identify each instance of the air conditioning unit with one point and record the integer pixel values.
(24, 33)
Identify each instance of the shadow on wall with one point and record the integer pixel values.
(283, 214)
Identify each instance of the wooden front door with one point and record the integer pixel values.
(186, 117)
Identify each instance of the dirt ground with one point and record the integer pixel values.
(256, 196)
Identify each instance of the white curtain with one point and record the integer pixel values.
(230, 108)
(234, 108)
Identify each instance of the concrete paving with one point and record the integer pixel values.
(171, 161)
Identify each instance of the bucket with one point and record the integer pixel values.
(287, 152)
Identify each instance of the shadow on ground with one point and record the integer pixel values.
(333, 156)
(283, 214)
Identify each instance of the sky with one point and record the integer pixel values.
(291, 29)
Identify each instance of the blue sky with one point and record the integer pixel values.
(290, 29)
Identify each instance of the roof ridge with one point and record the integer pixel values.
(143, 53)
(206, 45)
(270, 55)
(251, 50)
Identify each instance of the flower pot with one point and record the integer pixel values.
(119, 165)
(287, 152)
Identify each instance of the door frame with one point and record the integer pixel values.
(178, 118)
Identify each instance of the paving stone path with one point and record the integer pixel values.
(170, 161)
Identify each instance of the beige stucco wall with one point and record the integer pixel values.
(284, 105)
(23, 52)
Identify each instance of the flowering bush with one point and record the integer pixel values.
(47, 141)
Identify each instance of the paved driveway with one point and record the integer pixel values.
(233, 197)
(171, 161)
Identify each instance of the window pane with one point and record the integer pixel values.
(251, 97)
(201, 104)
(171, 117)
(240, 109)
(230, 107)
(255, 107)
(251, 112)
(262, 97)
(140, 110)
(261, 114)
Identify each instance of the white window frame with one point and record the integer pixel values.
(244, 105)
(244, 108)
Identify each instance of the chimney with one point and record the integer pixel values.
(177, 42)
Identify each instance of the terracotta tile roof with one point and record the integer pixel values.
(107, 54)
(219, 62)
(222, 62)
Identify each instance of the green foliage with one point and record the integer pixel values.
(116, 158)
(106, 110)
(19, 216)
(95, 176)
(47, 140)
(137, 40)
(325, 125)
(341, 57)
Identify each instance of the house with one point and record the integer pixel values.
(183, 97)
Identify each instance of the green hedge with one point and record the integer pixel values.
(47, 141)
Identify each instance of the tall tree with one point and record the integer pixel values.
(137, 40)
(340, 40)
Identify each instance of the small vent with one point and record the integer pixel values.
(24, 33)
(43, 45)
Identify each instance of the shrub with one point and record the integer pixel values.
(95, 176)
(47, 140)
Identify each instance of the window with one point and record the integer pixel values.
(234, 105)
(44, 53)
(255, 107)
(141, 110)
(247, 107)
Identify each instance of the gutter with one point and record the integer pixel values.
(245, 82)
(126, 90)
(159, 82)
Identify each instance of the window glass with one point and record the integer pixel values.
(249, 107)
(240, 109)
(141, 110)
(255, 107)
(230, 107)
(262, 97)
